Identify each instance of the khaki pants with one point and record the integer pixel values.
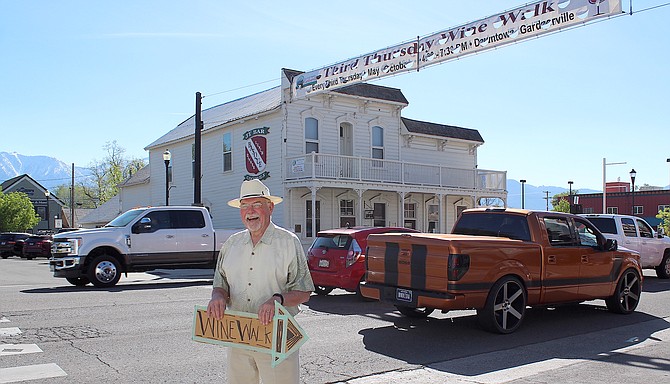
(248, 367)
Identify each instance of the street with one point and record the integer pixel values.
(140, 332)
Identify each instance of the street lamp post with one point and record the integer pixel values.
(47, 194)
(570, 195)
(166, 159)
(605, 183)
(523, 197)
(632, 191)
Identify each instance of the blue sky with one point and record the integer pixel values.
(77, 74)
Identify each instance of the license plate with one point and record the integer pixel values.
(323, 263)
(403, 295)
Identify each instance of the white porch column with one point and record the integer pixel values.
(360, 216)
(401, 214)
(443, 216)
(313, 190)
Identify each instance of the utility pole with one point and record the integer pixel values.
(547, 198)
(197, 174)
(72, 200)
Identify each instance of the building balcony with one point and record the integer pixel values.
(347, 170)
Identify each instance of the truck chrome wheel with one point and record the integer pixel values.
(505, 306)
(627, 294)
(104, 271)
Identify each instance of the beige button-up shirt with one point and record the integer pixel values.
(252, 274)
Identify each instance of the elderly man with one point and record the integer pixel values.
(256, 267)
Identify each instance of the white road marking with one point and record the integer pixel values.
(18, 349)
(30, 372)
(4, 320)
(13, 331)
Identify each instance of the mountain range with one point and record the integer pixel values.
(48, 171)
(51, 172)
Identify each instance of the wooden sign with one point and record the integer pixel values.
(280, 338)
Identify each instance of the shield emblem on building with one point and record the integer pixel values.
(255, 152)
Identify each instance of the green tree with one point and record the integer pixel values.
(17, 213)
(107, 174)
(665, 216)
(561, 206)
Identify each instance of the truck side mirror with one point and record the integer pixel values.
(610, 245)
(142, 226)
(660, 233)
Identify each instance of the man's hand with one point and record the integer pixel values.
(267, 310)
(217, 304)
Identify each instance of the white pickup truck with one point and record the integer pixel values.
(635, 233)
(142, 239)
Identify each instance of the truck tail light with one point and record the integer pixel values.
(458, 266)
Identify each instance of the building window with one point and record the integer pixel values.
(638, 210)
(662, 208)
(308, 217)
(588, 210)
(377, 144)
(379, 215)
(613, 210)
(347, 217)
(311, 135)
(410, 215)
(433, 217)
(227, 152)
(169, 174)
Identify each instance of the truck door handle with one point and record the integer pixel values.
(585, 259)
(551, 259)
(204, 235)
(169, 236)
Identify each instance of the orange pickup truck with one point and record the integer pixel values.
(498, 261)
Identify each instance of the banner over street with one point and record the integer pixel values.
(512, 26)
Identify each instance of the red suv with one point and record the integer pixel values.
(336, 258)
(37, 246)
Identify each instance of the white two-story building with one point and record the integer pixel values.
(344, 157)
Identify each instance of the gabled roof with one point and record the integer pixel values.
(224, 113)
(266, 101)
(426, 128)
(372, 91)
(103, 214)
(8, 184)
(11, 182)
(140, 177)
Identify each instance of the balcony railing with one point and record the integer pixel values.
(349, 168)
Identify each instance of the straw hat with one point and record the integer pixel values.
(254, 188)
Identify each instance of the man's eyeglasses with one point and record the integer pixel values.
(257, 205)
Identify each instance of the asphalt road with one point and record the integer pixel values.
(140, 332)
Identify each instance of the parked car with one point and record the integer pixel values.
(11, 243)
(635, 233)
(37, 246)
(336, 258)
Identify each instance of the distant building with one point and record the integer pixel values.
(619, 200)
(47, 206)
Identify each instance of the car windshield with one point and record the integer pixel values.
(332, 241)
(126, 218)
(604, 224)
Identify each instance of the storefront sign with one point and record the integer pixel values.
(256, 153)
(530, 20)
(280, 338)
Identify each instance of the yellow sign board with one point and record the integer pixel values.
(280, 338)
